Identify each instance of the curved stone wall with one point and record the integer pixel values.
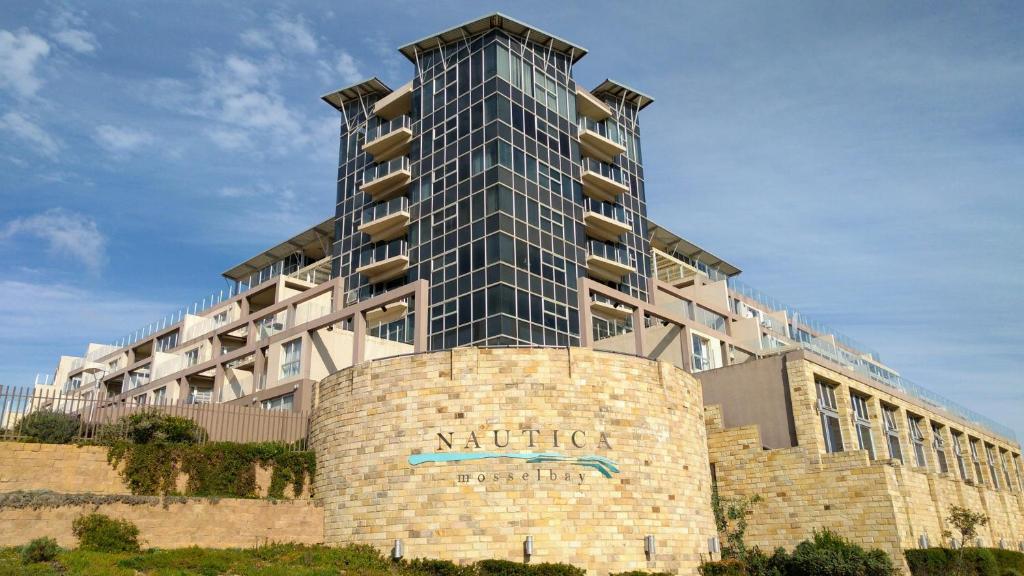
(463, 454)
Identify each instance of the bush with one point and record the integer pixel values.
(727, 567)
(830, 554)
(976, 562)
(555, 569)
(641, 573)
(105, 534)
(152, 427)
(502, 568)
(39, 550)
(49, 427)
(436, 567)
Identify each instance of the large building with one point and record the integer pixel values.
(493, 203)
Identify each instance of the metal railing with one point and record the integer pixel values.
(384, 127)
(607, 170)
(222, 422)
(614, 211)
(606, 128)
(384, 251)
(608, 251)
(375, 171)
(377, 211)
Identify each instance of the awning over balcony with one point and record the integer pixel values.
(667, 241)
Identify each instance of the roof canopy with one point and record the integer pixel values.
(620, 91)
(315, 242)
(339, 98)
(495, 20)
(664, 240)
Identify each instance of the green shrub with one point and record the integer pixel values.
(931, 561)
(555, 569)
(152, 427)
(49, 427)
(759, 563)
(502, 568)
(39, 550)
(105, 534)
(641, 573)
(727, 567)
(431, 567)
(976, 562)
(1009, 559)
(832, 555)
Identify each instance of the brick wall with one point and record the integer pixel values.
(371, 418)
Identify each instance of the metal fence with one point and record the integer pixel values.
(90, 418)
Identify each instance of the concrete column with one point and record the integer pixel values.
(638, 331)
(359, 336)
(586, 320)
(421, 300)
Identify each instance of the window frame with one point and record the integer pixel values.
(828, 411)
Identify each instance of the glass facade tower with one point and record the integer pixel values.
(504, 185)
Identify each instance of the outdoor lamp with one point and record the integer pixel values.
(528, 547)
(713, 545)
(397, 552)
(649, 546)
(922, 541)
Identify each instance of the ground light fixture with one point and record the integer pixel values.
(398, 551)
(649, 546)
(713, 545)
(922, 541)
(528, 547)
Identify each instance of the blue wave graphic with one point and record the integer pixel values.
(603, 465)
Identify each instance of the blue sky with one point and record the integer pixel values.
(863, 162)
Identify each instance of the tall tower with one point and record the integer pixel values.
(496, 178)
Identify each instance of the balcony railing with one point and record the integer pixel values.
(609, 251)
(609, 171)
(385, 127)
(378, 211)
(604, 128)
(614, 211)
(383, 252)
(375, 171)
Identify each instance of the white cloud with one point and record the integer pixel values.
(20, 52)
(68, 27)
(234, 192)
(254, 38)
(228, 139)
(66, 234)
(81, 41)
(347, 68)
(121, 141)
(30, 132)
(295, 35)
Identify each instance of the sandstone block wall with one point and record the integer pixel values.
(371, 418)
(59, 468)
(878, 503)
(228, 523)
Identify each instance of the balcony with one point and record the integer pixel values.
(384, 262)
(590, 106)
(607, 262)
(386, 221)
(396, 104)
(609, 309)
(388, 139)
(604, 221)
(387, 313)
(602, 181)
(599, 140)
(385, 181)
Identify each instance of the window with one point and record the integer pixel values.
(114, 365)
(863, 424)
(701, 353)
(220, 319)
(283, 403)
(917, 439)
(939, 445)
(892, 432)
(167, 342)
(958, 452)
(989, 451)
(977, 461)
(139, 400)
(160, 395)
(200, 395)
(1006, 471)
(292, 358)
(1020, 474)
(829, 410)
(192, 357)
